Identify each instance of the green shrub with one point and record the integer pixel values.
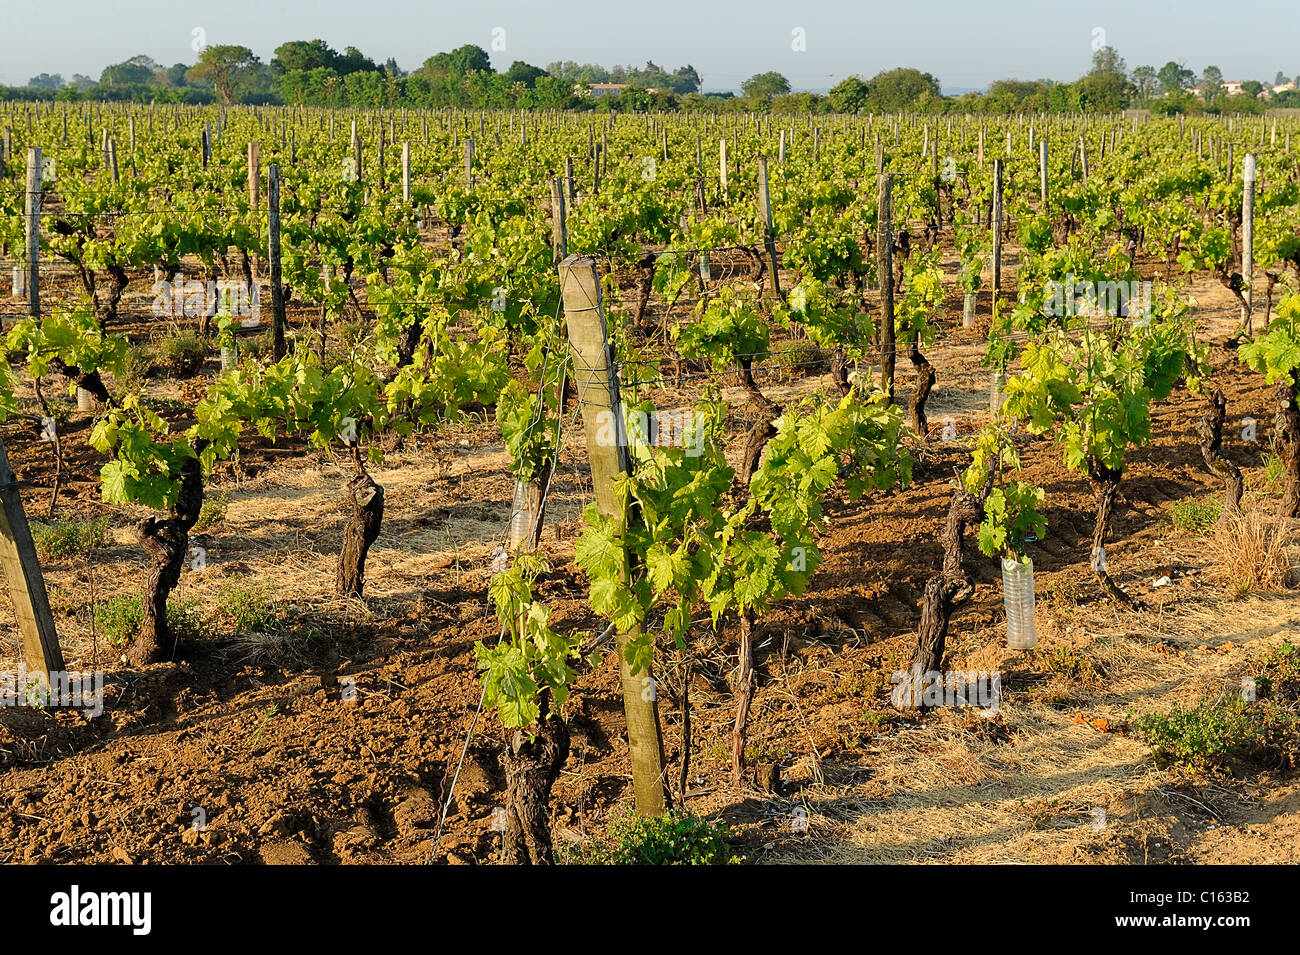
(137, 365)
(211, 513)
(1277, 674)
(797, 358)
(1215, 733)
(59, 540)
(248, 609)
(674, 839)
(118, 620)
(181, 354)
(1196, 517)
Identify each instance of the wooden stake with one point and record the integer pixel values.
(1248, 240)
(33, 217)
(602, 413)
(41, 652)
(559, 224)
(765, 210)
(273, 251)
(885, 272)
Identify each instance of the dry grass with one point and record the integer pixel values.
(1251, 551)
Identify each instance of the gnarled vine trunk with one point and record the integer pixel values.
(532, 760)
(1210, 429)
(166, 540)
(366, 499)
(1105, 488)
(745, 683)
(948, 588)
(1286, 423)
(924, 383)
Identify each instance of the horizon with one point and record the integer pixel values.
(947, 40)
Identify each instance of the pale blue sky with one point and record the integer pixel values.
(965, 44)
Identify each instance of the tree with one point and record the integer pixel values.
(893, 90)
(459, 62)
(303, 55)
(1108, 60)
(1211, 83)
(848, 95)
(225, 67)
(46, 81)
(1252, 88)
(353, 60)
(521, 72)
(1175, 78)
(765, 85)
(1145, 80)
(685, 80)
(138, 70)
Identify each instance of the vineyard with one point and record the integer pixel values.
(503, 487)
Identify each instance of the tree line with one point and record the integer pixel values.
(312, 73)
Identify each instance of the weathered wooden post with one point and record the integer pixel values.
(600, 404)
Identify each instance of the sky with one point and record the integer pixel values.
(964, 44)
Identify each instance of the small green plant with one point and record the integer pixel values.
(1272, 474)
(797, 359)
(248, 609)
(676, 838)
(256, 735)
(1192, 516)
(1215, 733)
(211, 513)
(119, 618)
(137, 365)
(1277, 674)
(180, 354)
(63, 539)
(1070, 662)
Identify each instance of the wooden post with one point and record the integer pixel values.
(1042, 170)
(356, 151)
(601, 408)
(406, 172)
(273, 251)
(559, 224)
(112, 158)
(885, 272)
(1083, 157)
(765, 210)
(469, 158)
(1248, 240)
(722, 167)
(570, 182)
(207, 144)
(254, 173)
(33, 216)
(997, 231)
(41, 652)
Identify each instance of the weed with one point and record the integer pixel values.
(676, 838)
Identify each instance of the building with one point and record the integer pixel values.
(606, 89)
